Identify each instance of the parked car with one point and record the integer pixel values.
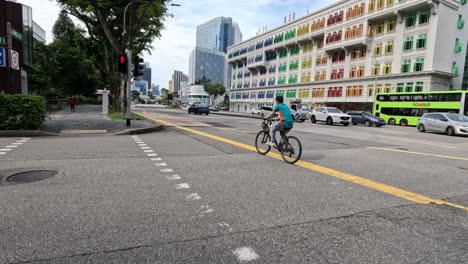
(448, 123)
(255, 111)
(199, 109)
(330, 115)
(365, 118)
(266, 111)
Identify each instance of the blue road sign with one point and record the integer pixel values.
(2, 57)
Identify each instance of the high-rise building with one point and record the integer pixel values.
(15, 79)
(207, 63)
(155, 90)
(147, 72)
(344, 54)
(208, 57)
(39, 34)
(171, 86)
(178, 77)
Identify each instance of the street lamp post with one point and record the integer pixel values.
(129, 59)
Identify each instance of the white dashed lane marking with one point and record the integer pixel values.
(148, 151)
(11, 146)
(156, 159)
(145, 147)
(193, 197)
(182, 186)
(152, 155)
(205, 209)
(245, 254)
(167, 170)
(160, 164)
(173, 177)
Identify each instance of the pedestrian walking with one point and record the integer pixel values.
(72, 102)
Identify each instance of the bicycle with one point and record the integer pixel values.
(289, 146)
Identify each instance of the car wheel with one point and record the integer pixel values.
(345, 124)
(421, 128)
(262, 115)
(391, 121)
(313, 119)
(450, 131)
(368, 123)
(378, 125)
(403, 122)
(354, 124)
(329, 121)
(207, 113)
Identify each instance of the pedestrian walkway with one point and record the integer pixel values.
(88, 120)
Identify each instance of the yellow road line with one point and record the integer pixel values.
(225, 128)
(419, 153)
(407, 195)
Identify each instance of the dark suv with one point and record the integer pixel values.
(365, 118)
(199, 109)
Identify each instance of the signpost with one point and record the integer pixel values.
(2, 57)
(15, 34)
(14, 60)
(2, 40)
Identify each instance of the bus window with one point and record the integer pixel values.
(377, 107)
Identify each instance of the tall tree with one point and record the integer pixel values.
(214, 90)
(104, 21)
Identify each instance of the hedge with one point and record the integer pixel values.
(21, 112)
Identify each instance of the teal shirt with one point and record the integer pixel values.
(284, 115)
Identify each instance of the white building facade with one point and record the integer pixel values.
(344, 54)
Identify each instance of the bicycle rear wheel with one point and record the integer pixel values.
(292, 151)
(260, 142)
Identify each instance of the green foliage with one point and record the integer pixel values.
(214, 90)
(63, 67)
(21, 112)
(87, 100)
(135, 94)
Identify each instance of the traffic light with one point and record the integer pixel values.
(122, 63)
(137, 67)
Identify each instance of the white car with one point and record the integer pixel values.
(330, 115)
(255, 111)
(266, 111)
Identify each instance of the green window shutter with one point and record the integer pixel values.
(461, 22)
(400, 87)
(458, 46)
(463, 2)
(419, 87)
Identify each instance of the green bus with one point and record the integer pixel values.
(405, 108)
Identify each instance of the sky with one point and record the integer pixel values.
(171, 52)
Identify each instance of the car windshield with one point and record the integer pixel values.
(333, 110)
(457, 117)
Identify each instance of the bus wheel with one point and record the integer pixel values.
(403, 122)
(391, 121)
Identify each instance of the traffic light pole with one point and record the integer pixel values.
(129, 84)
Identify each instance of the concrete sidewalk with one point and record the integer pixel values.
(88, 120)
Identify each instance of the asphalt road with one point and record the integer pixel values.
(196, 193)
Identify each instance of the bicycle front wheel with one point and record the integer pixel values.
(260, 142)
(292, 151)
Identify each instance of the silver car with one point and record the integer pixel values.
(451, 124)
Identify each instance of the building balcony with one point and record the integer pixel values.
(355, 42)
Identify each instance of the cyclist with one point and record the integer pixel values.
(285, 119)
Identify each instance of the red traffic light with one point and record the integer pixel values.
(122, 64)
(122, 59)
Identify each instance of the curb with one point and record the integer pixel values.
(136, 131)
(26, 133)
(237, 115)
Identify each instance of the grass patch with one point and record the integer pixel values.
(120, 116)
